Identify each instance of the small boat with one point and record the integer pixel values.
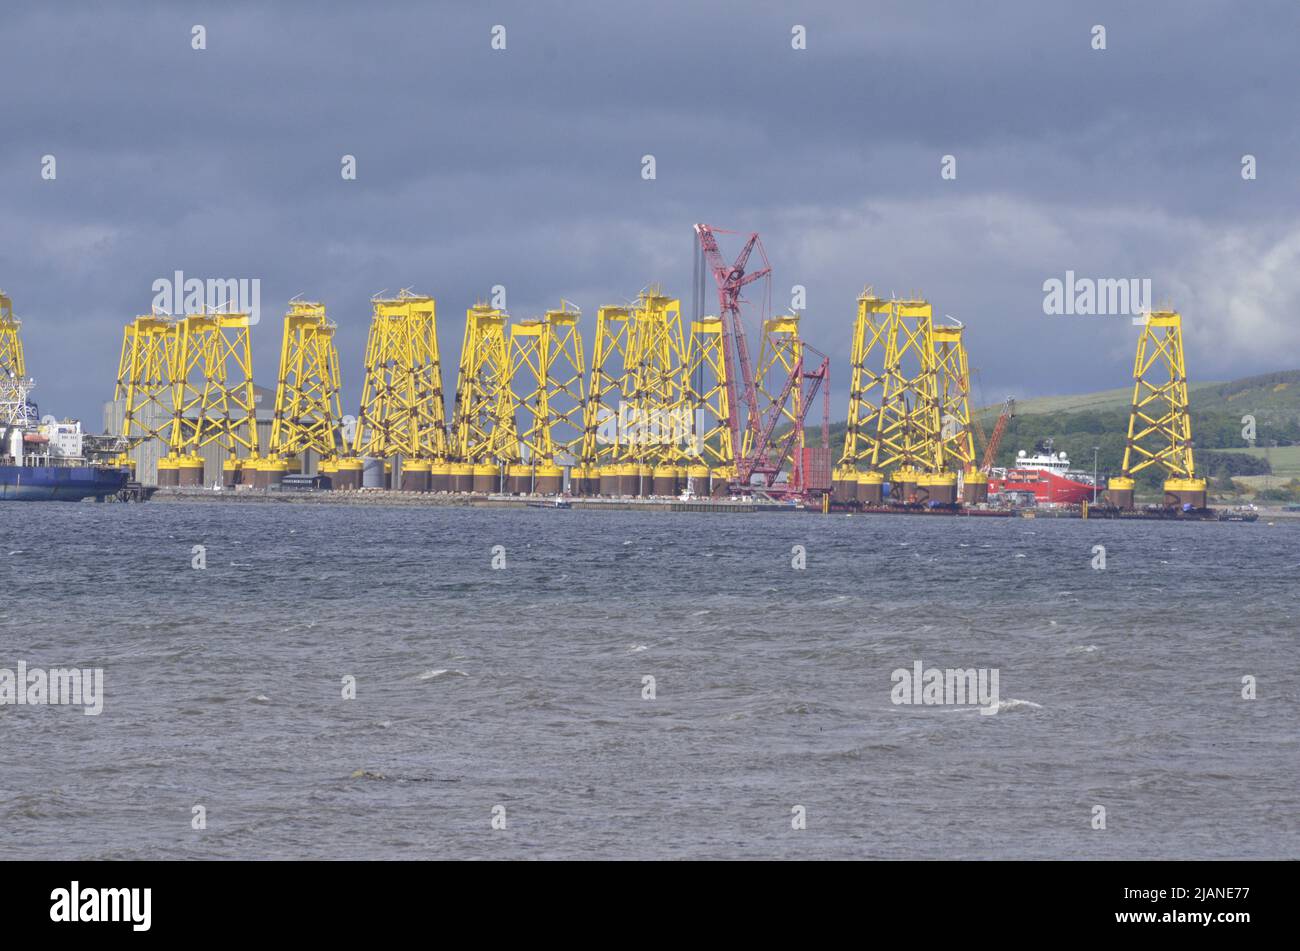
(1238, 515)
(550, 504)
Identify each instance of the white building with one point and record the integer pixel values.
(64, 437)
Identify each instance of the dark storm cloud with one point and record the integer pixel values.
(522, 167)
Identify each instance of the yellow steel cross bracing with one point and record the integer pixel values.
(187, 388)
(307, 407)
(1159, 427)
(780, 354)
(908, 427)
(483, 418)
(866, 386)
(212, 385)
(387, 423)
(602, 443)
(530, 344)
(956, 442)
(12, 362)
(144, 377)
(653, 392)
(705, 386)
(430, 408)
(566, 378)
(402, 411)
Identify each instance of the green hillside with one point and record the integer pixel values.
(1080, 422)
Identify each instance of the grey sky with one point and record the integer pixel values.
(522, 167)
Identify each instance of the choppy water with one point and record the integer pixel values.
(523, 687)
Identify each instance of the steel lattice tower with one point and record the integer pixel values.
(530, 344)
(402, 414)
(657, 412)
(709, 453)
(483, 416)
(307, 406)
(908, 428)
(546, 380)
(566, 374)
(603, 449)
(855, 478)
(956, 440)
(144, 383)
(212, 396)
(956, 432)
(12, 362)
(1159, 426)
(430, 406)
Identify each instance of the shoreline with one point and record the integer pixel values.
(396, 498)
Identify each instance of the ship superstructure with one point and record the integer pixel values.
(1042, 478)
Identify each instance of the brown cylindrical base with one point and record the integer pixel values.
(697, 480)
(944, 493)
(904, 492)
(1120, 498)
(268, 478)
(462, 477)
(869, 493)
(665, 483)
(487, 480)
(1177, 499)
(608, 483)
(440, 478)
(167, 476)
(628, 481)
(415, 481)
(190, 475)
(346, 477)
(844, 489)
(973, 493)
(549, 484)
(230, 476)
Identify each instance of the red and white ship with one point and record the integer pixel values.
(1045, 476)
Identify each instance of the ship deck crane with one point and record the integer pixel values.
(1000, 428)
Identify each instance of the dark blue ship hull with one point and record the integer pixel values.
(60, 483)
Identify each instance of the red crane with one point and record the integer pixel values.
(991, 450)
(745, 417)
(731, 279)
